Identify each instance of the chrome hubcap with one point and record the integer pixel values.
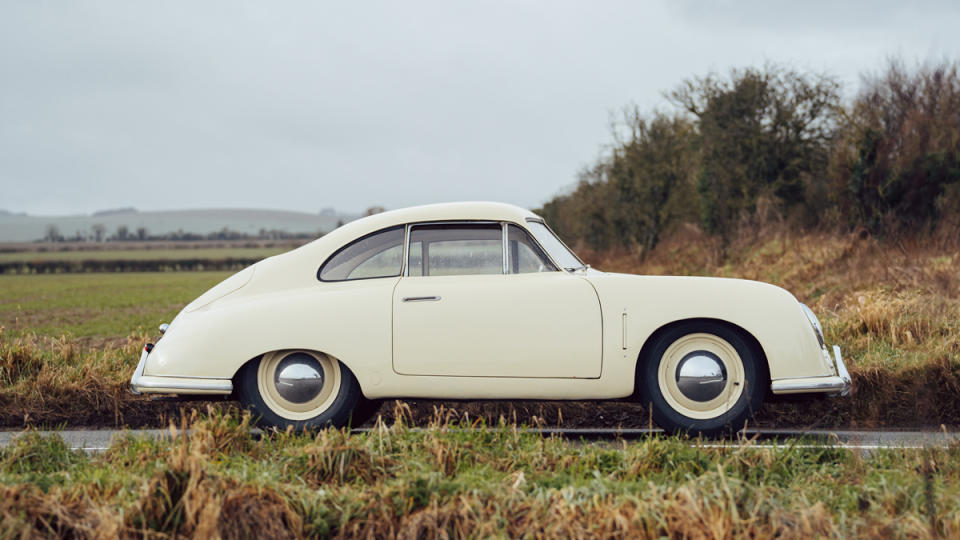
(298, 378)
(701, 376)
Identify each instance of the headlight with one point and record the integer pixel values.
(815, 322)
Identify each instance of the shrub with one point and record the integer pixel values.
(901, 148)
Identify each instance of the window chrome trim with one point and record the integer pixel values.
(557, 267)
(504, 231)
(555, 235)
(503, 241)
(543, 250)
(350, 243)
(404, 268)
(455, 222)
(405, 272)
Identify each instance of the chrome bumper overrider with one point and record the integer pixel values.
(832, 384)
(141, 383)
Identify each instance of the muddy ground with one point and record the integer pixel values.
(921, 397)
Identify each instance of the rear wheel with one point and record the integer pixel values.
(702, 377)
(298, 388)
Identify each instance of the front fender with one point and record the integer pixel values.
(769, 313)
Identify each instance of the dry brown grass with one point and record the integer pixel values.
(50, 380)
(214, 479)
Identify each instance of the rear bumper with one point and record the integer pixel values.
(149, 384)
(832, 384)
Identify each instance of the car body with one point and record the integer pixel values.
(482, 301)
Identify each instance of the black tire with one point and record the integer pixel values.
(364, 410)
(338, 414)
(729, 415)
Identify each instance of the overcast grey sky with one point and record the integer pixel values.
(305, 105)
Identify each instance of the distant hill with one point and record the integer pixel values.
(27, 228)
(115, 211)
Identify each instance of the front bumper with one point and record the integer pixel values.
(149, 384)
(832, 384)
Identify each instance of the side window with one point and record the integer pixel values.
(376, 255)
(524, 255)
(456, 250)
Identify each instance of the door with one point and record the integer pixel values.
(478, 305)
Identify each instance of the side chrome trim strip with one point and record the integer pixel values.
(623, 330)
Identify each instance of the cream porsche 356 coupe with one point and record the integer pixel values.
(482, 301)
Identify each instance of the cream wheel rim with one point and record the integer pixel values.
(701, 376)
(298, 384)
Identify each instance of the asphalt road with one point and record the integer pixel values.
(98, 440)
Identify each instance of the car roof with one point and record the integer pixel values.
(486, 211)
(322, 247)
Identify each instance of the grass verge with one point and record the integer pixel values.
(458, 480)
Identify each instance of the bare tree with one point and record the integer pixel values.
(99, 230)
(53, 234)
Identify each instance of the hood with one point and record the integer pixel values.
(694, 289)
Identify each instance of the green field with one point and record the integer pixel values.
(458, 480)
(97, 305)
(141, 254)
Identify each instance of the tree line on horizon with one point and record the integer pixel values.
(98, 233)
(773, 143)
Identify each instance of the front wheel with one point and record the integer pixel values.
(702, 377)
(300, 389)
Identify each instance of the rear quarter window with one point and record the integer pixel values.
(375, 255)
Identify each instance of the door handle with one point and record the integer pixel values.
(421, 298)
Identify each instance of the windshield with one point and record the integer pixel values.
(554, 246)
